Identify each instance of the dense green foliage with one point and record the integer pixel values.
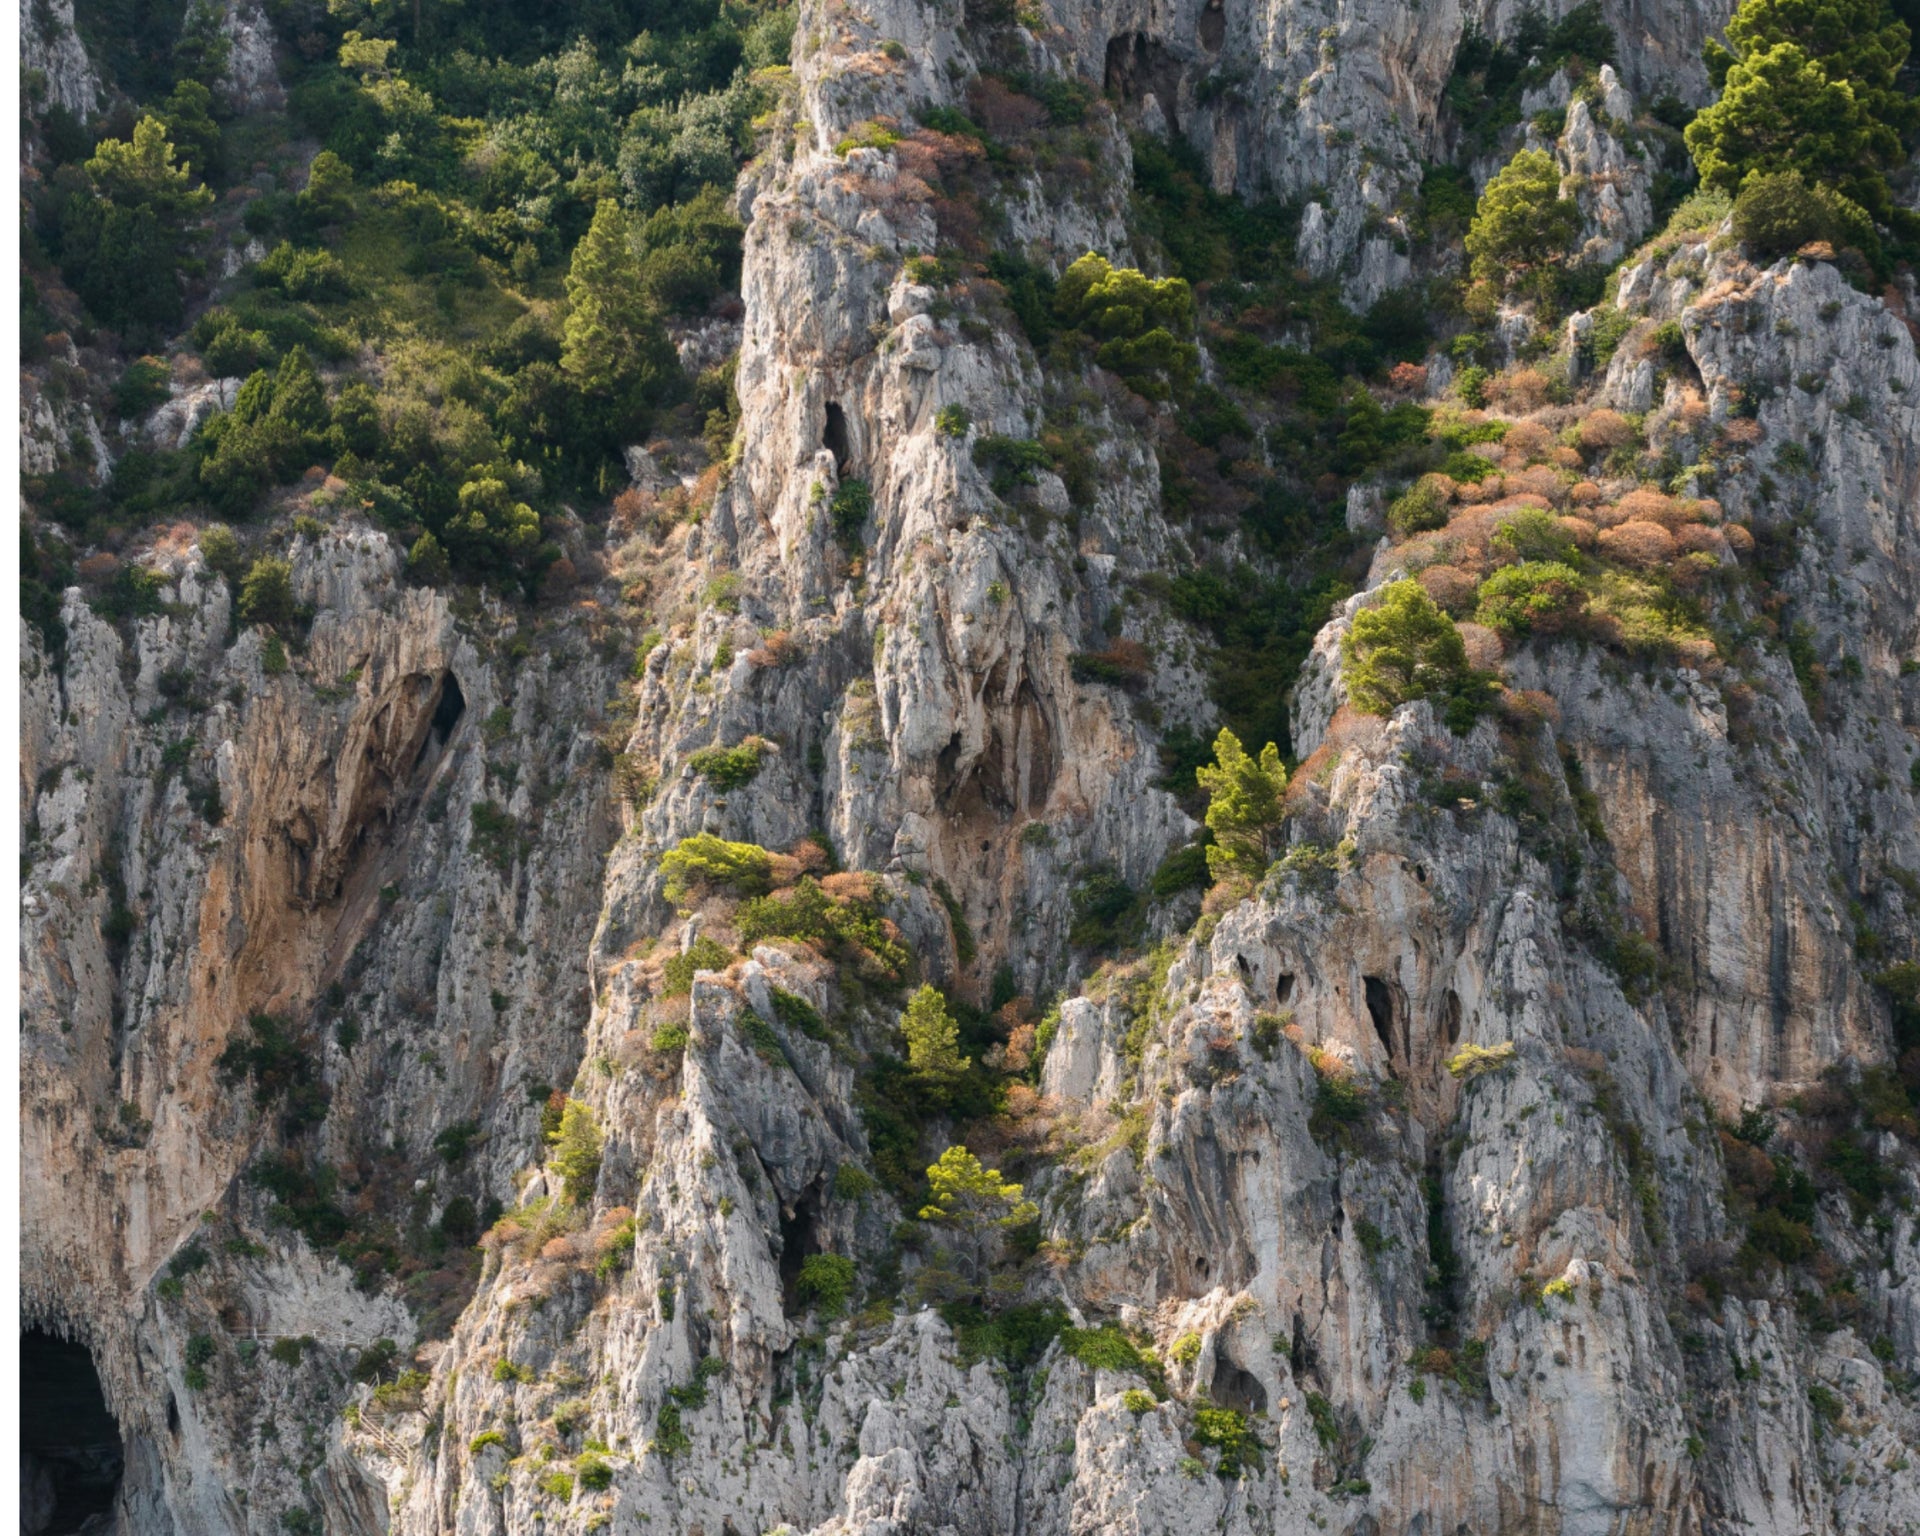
(504, 209)
(1523, 224)
(1403, 648)
(1244, 809)
(1811, 86)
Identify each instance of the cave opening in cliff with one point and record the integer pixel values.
(71, 1454)
(797, 1240)
(835, 439)
(1139, 66)
(452, 704)
(1380, 1010)
(1237, 1388)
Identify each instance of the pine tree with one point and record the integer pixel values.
(1243, 809)
(1808, 86)
(1522, 223)
(933, 1043)
(576, 1152)
(611, 341)
(1401, 649)
(976, 1204)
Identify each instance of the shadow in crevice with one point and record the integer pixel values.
(71, 1454)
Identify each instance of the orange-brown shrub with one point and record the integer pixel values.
(1604, 429)
(931, 156)
(1580, 531)
(1566, 458)
(1484, 647)
(1449, 586)
(1647, 505)
(1525, 389)
(1640, 544)
(1740, 537)
(1695, 538)
(1528, 439)
(1538, 481)
(1407, 378)
(1003, 112)
(1584, 493)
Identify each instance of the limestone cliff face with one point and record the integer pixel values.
(218, 832)
(427, 845)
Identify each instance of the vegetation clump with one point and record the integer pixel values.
(1245, 811)
(1404, 648)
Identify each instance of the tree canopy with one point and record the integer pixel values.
(1808, 86)
(1522, 223)
(1244, 810)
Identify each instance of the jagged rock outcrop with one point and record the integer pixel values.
(50, 46)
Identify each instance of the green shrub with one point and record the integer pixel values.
(703, 954)
(1472, 1061)
(486, 1439)
(795, 1012)
(729, 768)
(266, 593)
(1108, 1348)
(1010, 461)
(848, 927)
(1775, 215)
(705, 862)
(849, 510)
(1535, 597)
(1138, 1401)
(1533, 533)
(826, 1280)
(1138, 324)
(1404, 648)
(952, 421)
(144, 385)
(1225, 1430)
(594, 1471)
(1422, 506)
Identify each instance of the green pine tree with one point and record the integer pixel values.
(1402, 648)
(933, 1043)
(1522, 223)
(1244, 812)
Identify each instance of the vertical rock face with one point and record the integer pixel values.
(1404, 1180)
(50, 46)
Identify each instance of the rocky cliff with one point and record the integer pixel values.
(1411, 1188)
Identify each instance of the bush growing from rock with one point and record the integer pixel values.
(1536, 596)
(1405, 648)
(1422, 506)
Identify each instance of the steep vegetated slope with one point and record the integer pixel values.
(1172, 784)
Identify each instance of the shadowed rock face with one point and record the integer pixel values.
(70, 1451)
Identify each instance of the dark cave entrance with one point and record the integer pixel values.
(1380, 1010)
(799, 1237)
(1139, 66)
(835, 439)
(1237, 1388)
(447, 710)
(70, 1450)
